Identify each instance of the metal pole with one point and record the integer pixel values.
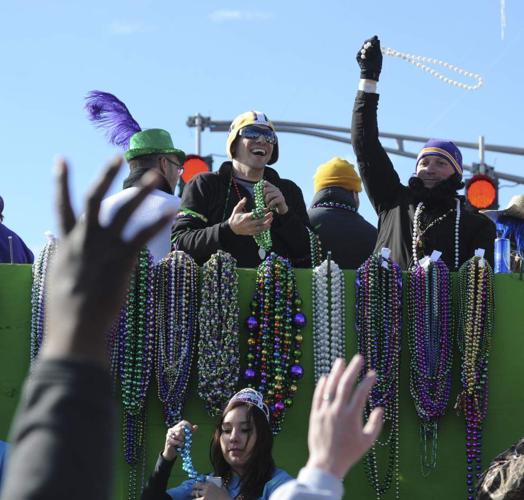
(198, 135)
(482, 166)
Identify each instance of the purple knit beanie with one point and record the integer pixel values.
(444, 149)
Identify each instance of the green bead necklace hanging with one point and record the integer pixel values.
(263, 240)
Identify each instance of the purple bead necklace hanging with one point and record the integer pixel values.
(378, 325)
(218, 349)
(475, 328)
(38, 294)
(431, 350)
(135, 360)
(275, 338)
(176, 309)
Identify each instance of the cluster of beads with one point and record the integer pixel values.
(176, 310)
(422, 62)
(218, 350)
(263, 239)
(275, 339)
(38, 295)
(418, 232)
(378, 325)
(185, 453)
(476, 316)
(329, 333)
(136, 339)
(315, 248)
(431, 351)
(334, 204)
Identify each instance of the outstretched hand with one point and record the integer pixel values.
(369, 58)
(242, 223)
(337, 436)
(90, 273)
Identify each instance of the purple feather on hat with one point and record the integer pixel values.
(108, 112)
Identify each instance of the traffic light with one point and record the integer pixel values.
(194, 165)
(482, 192)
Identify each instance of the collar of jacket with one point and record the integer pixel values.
(226, 169)
(336, 194)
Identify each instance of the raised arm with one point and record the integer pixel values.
(380, 180)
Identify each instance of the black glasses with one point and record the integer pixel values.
(254, 132)
(180, 168)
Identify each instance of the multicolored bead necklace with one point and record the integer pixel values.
(335, 204)
(417, 232)
(275, 341)
(476, 318)
(176, 309)
(431, 351)
(135, 340)
(379, 325)
(218, 350)
(263, 239)
(315, 248)
(329, 333)
(38, 294)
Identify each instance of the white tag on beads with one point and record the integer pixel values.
(435, 255)
(425, 262)
(479, 252)
(385, 253)
(261, 253)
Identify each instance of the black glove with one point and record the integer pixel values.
(369, 58)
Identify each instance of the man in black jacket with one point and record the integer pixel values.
(428, 214)
(217, 209)
(334, 214)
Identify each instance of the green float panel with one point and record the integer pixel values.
(502, 427)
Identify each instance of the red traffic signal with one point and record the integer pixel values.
(194, 165)
(481, 192)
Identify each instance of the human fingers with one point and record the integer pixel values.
(358, 401)
(319, 391)
(66, 215)
(145, 234)
(149, 181)
(348, 379)
(374, 425)
(100, 188)
(239, 207)
(333, 379)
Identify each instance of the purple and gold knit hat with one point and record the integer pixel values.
(444, 149)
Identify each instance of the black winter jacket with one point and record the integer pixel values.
(207, 202)
(395, 203)
(350, 238)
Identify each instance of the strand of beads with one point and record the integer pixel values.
(334, 204)
(422, 62)
(263, 240)
(275, 341)
(218, 349)
(431, 353)
(329, 335)
(176, 311)
(315, 248)
(38, 294)
(135, 360)
(417, 232)
(185, 453)
(378, 325)
(475, 328)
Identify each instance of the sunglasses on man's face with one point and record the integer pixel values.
(180, 168)
(256, 132)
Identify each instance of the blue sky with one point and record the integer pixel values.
(294, 60)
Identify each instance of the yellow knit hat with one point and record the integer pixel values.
(243, 120)
(337, 172)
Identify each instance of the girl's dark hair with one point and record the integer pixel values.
(260, 465)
